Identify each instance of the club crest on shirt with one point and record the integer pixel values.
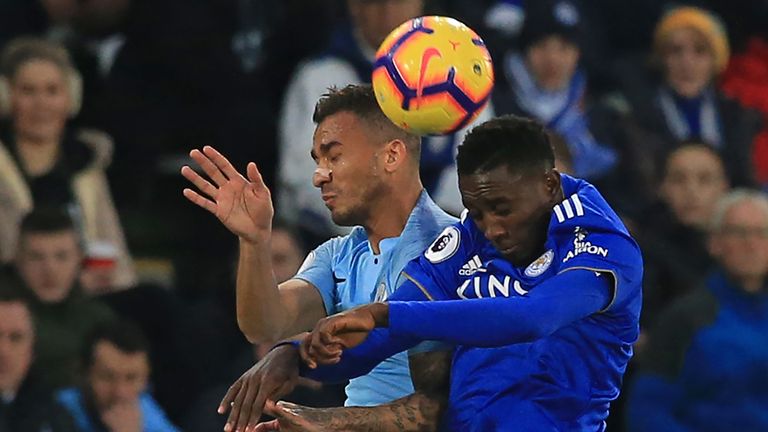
(540, 265)
(446, 244)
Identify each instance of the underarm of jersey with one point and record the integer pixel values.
(360, 360)
(491, 322)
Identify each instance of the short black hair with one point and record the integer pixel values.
(517, 142)
(692, 144)
(46, 220)
(125, 335)
(360, 100)
(11, 292)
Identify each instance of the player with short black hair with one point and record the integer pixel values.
(538, 286)
(516, 142)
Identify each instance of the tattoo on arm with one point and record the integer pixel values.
(419, 412)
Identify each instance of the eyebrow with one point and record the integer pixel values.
(324, 148)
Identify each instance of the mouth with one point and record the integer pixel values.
(328, 199)
(506, 249)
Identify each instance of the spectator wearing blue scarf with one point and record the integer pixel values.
(543, 80)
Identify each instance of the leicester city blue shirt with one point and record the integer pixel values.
(347, 273)
(539, 347)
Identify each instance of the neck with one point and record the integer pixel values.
(752, 284)
(37, 155)
(389, 216)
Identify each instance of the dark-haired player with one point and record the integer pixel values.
(538, 287)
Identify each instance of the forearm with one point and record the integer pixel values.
(261, 315)
(358, 361)
(416, 412)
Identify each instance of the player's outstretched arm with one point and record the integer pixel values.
(486, 322)
(243, 204)
(492, 322)
(420, 411)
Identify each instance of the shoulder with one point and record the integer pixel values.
(154, 416)
(583, 206)
(427, 220)
(99, 143)
(455, 240)
(337, 249)
(70, 398)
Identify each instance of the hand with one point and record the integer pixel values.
(243, 205)
(271, 378)
(123, 417)
(296, 418)
(345, 330)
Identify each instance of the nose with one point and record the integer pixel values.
(321, 176)
(124, 391)
(492, 229)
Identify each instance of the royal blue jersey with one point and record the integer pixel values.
(540, 347)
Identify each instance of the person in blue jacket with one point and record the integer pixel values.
(115, 393)
(705, 367)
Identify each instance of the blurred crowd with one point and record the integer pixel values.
(117, 307)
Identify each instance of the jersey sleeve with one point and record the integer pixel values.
(435, 272)
(589, 235)
(411, 290)
(318, 271)
(493, 322)
(606, 251)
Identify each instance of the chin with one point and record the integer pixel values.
(343, 219)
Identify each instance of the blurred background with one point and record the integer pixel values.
(116, 292)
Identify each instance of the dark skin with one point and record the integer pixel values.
(277, 373)
(511, 208)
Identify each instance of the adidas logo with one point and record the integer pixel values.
(472, 266)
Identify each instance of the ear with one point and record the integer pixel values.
(394, 155)
(5, 97)
(553, 185)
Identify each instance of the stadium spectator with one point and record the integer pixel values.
(348, 59)
(706, 366)
(43, 160)
(677, 100)
(25, 404)
(543, 80)
(47, 267)
(673, 236)
(114, 394)
(287, 253)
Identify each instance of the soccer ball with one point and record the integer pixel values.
(432, 75)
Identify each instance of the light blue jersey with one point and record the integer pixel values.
(347, 273)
